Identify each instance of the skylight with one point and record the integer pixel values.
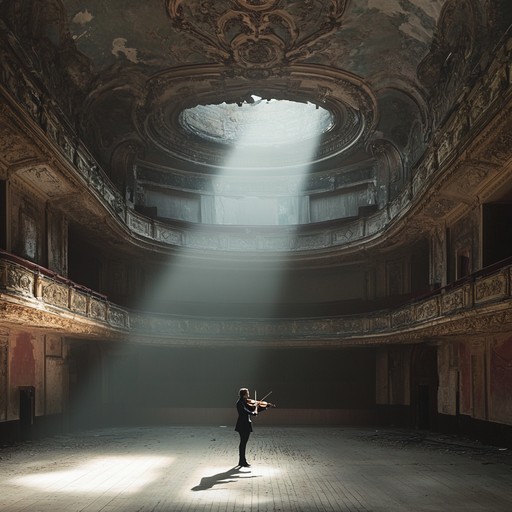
(269, 122)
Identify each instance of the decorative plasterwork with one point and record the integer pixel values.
(258, 37)
(346, 96)
(475, 173)
(28, 298)
(43, 179)
(486, 140)
(260, 47)
(492, 288)
(15, 149)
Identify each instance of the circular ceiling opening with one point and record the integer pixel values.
(257, 122)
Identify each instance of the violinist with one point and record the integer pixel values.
(244, 424)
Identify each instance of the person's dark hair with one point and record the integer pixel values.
(243, 391)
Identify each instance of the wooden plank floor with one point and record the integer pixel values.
(293, 469)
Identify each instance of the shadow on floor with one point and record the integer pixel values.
(231, 475)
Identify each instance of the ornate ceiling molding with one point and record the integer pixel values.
(348, 98)
(258, 37)
(263, 42)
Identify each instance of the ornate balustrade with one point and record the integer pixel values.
(480, 303)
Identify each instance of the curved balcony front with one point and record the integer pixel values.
(31, 295)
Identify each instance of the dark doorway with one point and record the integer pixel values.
(27, 411)
(496, 242)
(424, 420)
(424, 384)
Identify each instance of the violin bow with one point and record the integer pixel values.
(256, 400)
(266, 396)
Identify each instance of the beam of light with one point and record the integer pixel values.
(255, 287)
(235, 203)
(123, 474)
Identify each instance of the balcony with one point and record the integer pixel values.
(33, 296)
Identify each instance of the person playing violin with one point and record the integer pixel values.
(244, 424)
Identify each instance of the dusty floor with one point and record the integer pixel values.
(293, 469)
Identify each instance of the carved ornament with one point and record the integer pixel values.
(453, 301)
(348, 98)
(257, 36)
(491, 288)
(427, 310)
(55, 294)
(409, 323)
(15, 148)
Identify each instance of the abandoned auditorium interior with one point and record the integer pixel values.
(308, 198)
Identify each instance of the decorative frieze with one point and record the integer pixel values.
(499, 152)
(243, 243)
(117, 317)
(427, 310)
(78, 302)
(348, 233)
(204, 240)
(168, 235)
(403, 317)
(444, 148)
(491, 288)
(315, 241)
(55, 294)
(16, 279)
(379, 322)
(97, 309)
(275, 243)
(453, 300)
(348, 326)
(401, 204)
(439, 208)
(140, 225)
(447, 313)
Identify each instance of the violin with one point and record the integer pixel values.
(259, 403)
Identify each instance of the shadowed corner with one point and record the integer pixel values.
(226, 477)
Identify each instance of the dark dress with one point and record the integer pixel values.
(243, 427)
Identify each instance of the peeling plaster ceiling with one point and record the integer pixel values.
(375, 37)
(387, 71)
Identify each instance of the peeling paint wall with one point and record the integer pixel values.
(500, 380)
(477, 373)
(27, 226)
(447, 364)
(55, 375)
(465, 379)
(57, 232)
(38, 233)
(32, 359)
(393, 369)
(26, 368)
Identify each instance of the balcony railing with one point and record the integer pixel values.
(481, 301)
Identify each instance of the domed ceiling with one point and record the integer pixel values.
(155, 62)
(176, 84)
